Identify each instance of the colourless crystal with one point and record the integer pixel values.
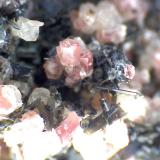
(86, 18)
(129, 71)
(26, 29)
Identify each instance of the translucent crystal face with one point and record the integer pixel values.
(73, 59)
(26, 29)
(68, 52)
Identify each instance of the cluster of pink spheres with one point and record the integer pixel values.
(72, 59)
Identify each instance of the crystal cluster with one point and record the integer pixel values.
(73, 59)
(103, 20)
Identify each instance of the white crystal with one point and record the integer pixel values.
(26, 29)
(11, 95)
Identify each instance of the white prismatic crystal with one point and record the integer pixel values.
(26, 29)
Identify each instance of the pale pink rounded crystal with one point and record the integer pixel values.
(129, 71)
(68, 52)
(73, 58)
(86, 62)
(86, 18)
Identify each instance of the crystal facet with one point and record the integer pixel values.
(26, 29)
(73, 59)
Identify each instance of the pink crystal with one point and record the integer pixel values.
(76, 60)
(68, 126)
(129, 71)
(86, 18)
(10, 99)
(81, 71)
(86, 62)
(68, 52)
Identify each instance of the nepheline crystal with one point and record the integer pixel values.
(86, 18)
(26, 29)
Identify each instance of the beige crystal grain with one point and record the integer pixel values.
(26, 29)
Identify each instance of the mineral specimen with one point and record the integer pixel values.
(73, 58)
